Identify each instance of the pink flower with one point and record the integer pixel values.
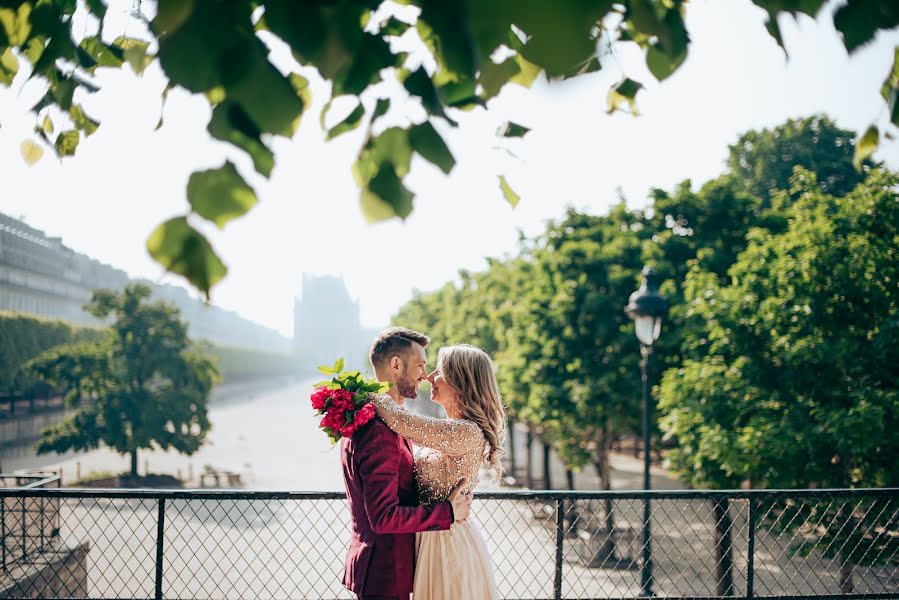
(364, 414)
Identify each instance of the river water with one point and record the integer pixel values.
(267, 434)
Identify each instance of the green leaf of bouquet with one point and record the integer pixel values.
(425, 140)
(866, 146)
(220, 195)
(508, 193)
(327, 370)
(67, 142)
(338, 365)
(349, 123)
(180, 249)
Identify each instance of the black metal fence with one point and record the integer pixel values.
(243, 544)
(26, 532)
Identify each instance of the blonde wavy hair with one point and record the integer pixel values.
(470, 372)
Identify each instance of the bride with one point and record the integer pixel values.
(453, 563)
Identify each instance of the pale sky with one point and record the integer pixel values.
(126, 178)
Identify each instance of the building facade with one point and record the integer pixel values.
(40, 275)
(327, 326)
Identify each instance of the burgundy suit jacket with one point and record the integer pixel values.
(383, 501)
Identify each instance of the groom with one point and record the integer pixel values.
(380, 482)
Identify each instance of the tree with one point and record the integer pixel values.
(799, 385)
(764, 160)
(219, 50)
(142, 386)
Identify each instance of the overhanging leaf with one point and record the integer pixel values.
(494, 76)
(386, 197)
(508, 193)
(510, 129)
(135, 53)
(82, 121)
(890, 89)
(527, 72)
(350, 122)
(425, 140)
(16, 23)
(180, 249)
(67, 142)
(419, 83)
(220, 195)
(624, 91)
(660, 64)
(31, 152)
(231, 124)
(9, 66)
(866, 146)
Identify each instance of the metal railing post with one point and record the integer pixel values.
(3, 530)
(560, 539)
(160, 527)
(750, 559)
(24, 531)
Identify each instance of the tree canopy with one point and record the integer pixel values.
(141, 386)
(221, 50)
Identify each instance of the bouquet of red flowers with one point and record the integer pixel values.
(344, 401)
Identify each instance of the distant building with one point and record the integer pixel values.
(40, 275)
(326, 324)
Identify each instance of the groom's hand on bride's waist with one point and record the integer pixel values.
(461, 501)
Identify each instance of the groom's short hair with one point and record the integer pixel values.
(393, 341)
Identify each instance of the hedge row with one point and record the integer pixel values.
(22, 337)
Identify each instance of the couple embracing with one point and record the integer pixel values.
(411, 528)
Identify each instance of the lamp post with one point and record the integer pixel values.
(647, 308)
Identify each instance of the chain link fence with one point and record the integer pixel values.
(237, 544)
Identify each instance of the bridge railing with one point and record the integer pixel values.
(553, 544)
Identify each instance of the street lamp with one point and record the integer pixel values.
(647, 308)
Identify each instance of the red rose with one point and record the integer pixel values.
(335, 418)
(364, 414)
(349, 429)
(343, 399)
(319, 397)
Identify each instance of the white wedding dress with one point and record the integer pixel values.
(452, 564)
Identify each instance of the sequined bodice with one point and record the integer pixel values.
(448, 449)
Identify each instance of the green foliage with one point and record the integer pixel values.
(140, 386)
(798, 386)
(217, 50)
(764, 160)
(23, 337)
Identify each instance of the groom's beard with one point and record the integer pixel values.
(407, 387)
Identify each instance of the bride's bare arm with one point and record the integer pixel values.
(450, 436)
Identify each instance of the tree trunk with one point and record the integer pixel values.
(529, 448)
(844, 523)
(606, 554)
(571, 514)
(134, 463)
(510, 429)
(723, 547)
(547, 478)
